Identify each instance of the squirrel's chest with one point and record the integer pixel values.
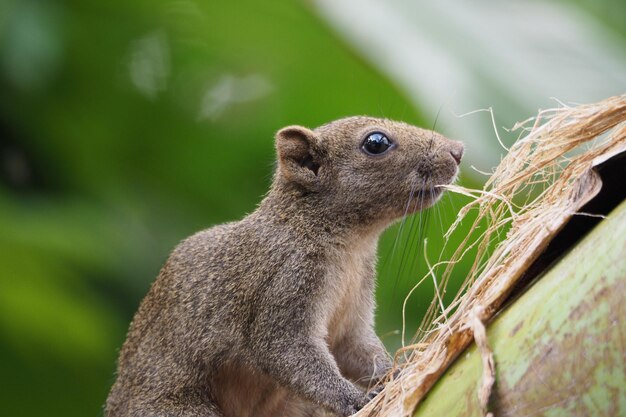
(350, 279)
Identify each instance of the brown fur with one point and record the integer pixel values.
(273, 315)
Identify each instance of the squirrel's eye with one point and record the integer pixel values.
(376, 143)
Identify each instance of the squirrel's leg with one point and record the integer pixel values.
(362, 357)
(360, 354)
(308, 369)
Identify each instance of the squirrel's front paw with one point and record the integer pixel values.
(374, 391)
(352, 404)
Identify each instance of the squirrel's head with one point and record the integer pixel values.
(369, 166)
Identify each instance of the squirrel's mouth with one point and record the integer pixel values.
(425, 198)
(429, 194)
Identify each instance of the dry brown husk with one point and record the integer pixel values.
(550, 172)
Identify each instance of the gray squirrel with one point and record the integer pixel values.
(273, 315)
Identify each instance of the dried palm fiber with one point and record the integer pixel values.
(550, 170)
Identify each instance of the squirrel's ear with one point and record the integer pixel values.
(297, 157)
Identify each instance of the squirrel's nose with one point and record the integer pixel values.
(457, 152)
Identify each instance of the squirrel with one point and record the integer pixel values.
(273, 315)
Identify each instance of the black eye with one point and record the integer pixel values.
(376, 143)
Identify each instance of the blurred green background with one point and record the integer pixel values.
(126, 126)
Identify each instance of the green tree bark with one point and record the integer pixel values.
(560, 349)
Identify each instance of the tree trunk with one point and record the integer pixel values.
(560, 349)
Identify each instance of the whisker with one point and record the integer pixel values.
(439, 216)
(399, 235)
(432, 135)
(403, 256)
(413, 244)
(403, 221)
